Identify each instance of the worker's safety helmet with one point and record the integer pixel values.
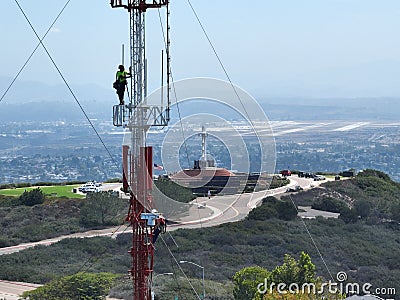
(121, 67)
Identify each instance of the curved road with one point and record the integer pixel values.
(234, 208)
(10, 290)
(218, 210)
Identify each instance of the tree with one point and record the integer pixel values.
(87, 286)
(102, 209)
(246, 281)
(286, 210)
(362, 208)
(329, 204)
(271, 207)
(348, 215)
(395, 212)
(293, 271)
(307, 269)
(286, 273)
(174, 190)
(32, 197)
(374, 173)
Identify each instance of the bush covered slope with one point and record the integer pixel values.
(367, 251)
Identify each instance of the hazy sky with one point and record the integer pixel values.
(312, 48)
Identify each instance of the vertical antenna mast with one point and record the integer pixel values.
(123, 54)
(137, 116)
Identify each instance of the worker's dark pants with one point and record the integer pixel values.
(121, 92)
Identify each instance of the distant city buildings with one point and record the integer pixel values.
(58, 151)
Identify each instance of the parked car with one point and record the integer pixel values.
(98, 184)
(319, 177)
(286, 173)
(296, 188)
(200, 205)
(89, 187)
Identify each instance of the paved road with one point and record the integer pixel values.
(310, 213)
(219, 210)
(234, 208)
(10, 290)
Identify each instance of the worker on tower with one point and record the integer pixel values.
(120, 83)
(115, 3)
(160, 227)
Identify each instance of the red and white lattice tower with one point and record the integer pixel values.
(137, 117)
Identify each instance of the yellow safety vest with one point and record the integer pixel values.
(121, 76)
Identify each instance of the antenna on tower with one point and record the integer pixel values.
(203, 144)
(123, 54)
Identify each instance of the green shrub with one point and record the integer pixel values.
(174, 191)
(395, 209)
(348, 215)
(88, 286)
(278, 182)
(6, 186)
(329, 204)
(114, 180)
(32, 197)
(102, 209)
(374, 173)
(246, 281)
(22, 185)
(363, 208)
(274, 208)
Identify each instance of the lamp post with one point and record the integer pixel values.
(152, 292)
(189, 262)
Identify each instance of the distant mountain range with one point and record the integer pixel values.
(37, 101)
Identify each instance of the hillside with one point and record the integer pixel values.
(60, 215)
(367, 251)
(370, 196)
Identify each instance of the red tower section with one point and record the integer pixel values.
(146, 224)
(142, 250)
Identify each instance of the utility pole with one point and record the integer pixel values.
(202, 268)
(137, 158)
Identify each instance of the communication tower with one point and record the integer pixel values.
(137, 116)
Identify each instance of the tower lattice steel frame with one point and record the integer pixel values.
(137, 163)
